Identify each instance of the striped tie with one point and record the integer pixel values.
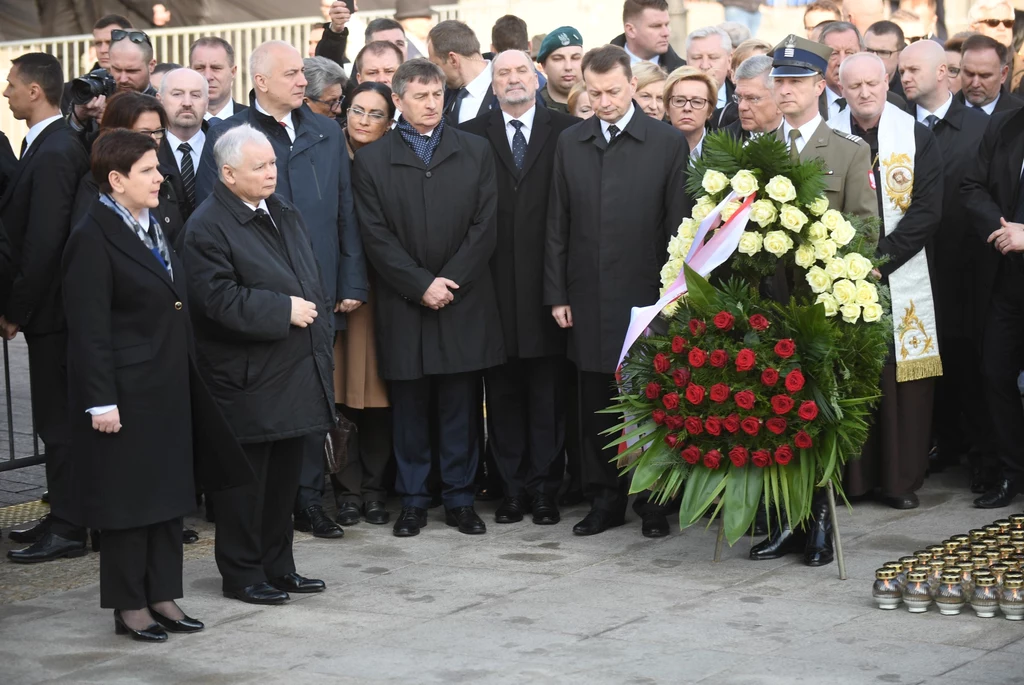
(188, 176)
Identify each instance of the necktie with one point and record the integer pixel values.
(613, 133)
(456, 104)
(930, 121)
(24, 147)
(842, 103)
(518, 144)
(213, 121)
(794, 151)
(188, 175)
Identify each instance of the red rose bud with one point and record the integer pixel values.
(694, 393)
(808, 410)
(744, 399)
(693, 425)
(745, 360)
(785, 348)
(662, 363)
(782, 404)
(653, 391)
(776, 425)
(750, 425)
(723, 321)
(761, 458)
(794, 381)
(697, 357)
(784, 455)
(681, 377)
(671, 400)
(719, 358)
(713, 425)
(803, 440)
(713, 459)
(759, 323)
(658, 416)
(674, 422)
(770, 377)
(671, 439)
(719, 392)
(691, 455)
(731, 423)
(678, 345)
(738, 456)
(697, 327)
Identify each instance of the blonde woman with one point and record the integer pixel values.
(579, 101)
(690, 100)
(650, 88)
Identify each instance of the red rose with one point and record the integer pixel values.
(713, 459)
(738, 456)
(761, 458)
(759, 323)
(691, 455)
(713, 425)
(808, 410)
(652, 391)
(658, 416)
(785, 348)
(671, 400)
(750, 425)
(770, 377)
(694, 393)
(671, 439)
(719, 392)
(745, 360)
(674, 422)
(661, 363)
(723, 321)
(781, 404)
(794, 381)
(693, 425)
(776, 425)
(744, 399)
(803, 440)
(697, 327)
(784, 455)
(681, 377)
(719, 358)
(697, 357)
(678, 345)
(731, 423)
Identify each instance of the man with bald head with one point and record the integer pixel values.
(908, 179)
(846, 40)
(313, 175)
(185, 95)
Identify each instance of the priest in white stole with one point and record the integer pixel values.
(908, 177)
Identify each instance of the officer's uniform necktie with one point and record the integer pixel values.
(518, 144)
(794, 151)
(188, 175)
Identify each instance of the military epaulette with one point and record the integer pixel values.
(848, 136)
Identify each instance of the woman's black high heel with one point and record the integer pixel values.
(183, 625)
(152, 633)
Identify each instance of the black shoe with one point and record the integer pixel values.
(348, 514)
(33, 534)
(999, 496)
(376, 513)
(410, 521)
(466, 519)
(545, 512)
(45, 497)
(908, 501)
(818, 550)
(189, 536)
(571, 498)
(154, 632)
(655, 525)
(260, 593)
(598, 521)
(785, 541)
(50, 547)
(982, 478)
(510, 511)
(761, 520)
(293, 582)
(182, 625)
(314, 520)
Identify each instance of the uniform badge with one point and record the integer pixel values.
(564, 39)
(789, 47)
(871, 180)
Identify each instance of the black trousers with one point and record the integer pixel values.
(311, 473)
(141, 566)
(458, 428)
(48, 381)
(962, 427)
(602, 484)
(1002, 360)
(254, 522)
(526, 414)
(369, 451)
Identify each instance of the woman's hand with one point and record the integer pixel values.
(109, 422)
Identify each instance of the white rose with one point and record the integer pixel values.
(850, 312)
(831, 306)
(825, 250)
(857, 266)
(763, 213)
(670, 271)
(819, 206)
(816, 232)
(832, 219)
(745, 183)
(844, 291)
(866, 293)
(688, 229)
(702, 208)
(714, 181)
(675, 247)
(780, 189)
(792, 218)
(805, 256)
(818, 279)
(844, 233)
(729, 210)
(750, 243)
(778, 243)
(836, 269)
(670, 309)
(871, 312)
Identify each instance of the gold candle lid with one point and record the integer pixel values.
(1018, 545)
(917, 577)
(895, 565)
(951, 576)
(1007, 551)
(991, 529)
(950, 545)
(962, 539)
(999, 568)
(936, 564)
(923, 556)
(1013, 574)
(1017, 520)
(1004, 524)
(1013, 583)
(885, 574)
(993, 555)
(1017, 534)
(978, 548)
(990, 542)
(950, 560)
(985, 581)
(979, 562)
(963, 557)
(1003, 539)
(976, 534)
(908, 562)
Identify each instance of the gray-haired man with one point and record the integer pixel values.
(754, 100)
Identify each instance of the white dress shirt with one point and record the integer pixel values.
(226, 112)
(527, 119)
(833, 106)
(262, 205)
(806, 131)
(939, 112)
(698, 148)
(289, 127)
(987, 109)
(621, 124)
(34, 132)
(477, 92)
(196, 142)
(723, 99)
(633, 59)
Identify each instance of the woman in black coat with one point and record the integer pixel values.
(128, 342)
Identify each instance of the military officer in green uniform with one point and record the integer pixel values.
(561, 56)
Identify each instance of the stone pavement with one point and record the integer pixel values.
(532, 604)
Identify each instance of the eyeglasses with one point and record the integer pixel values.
(740, 99)
(914, 39)
(696, 103)
(158, 134)
(335, 105)
(359, 113)
(139, 37)
(953, 71)
(994, 23)
(884, 54)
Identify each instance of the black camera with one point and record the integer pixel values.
(97, 82)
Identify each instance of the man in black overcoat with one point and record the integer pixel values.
(36, 215)
(525, 396)
(426, 200)
(617, 197)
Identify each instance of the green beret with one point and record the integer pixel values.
(562, 37)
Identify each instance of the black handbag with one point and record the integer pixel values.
(336, 444)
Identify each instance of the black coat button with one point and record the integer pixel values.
(428, 174)
(177, 306)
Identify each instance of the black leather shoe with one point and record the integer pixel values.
(908, 501)
(410, 521)
(183, 625)
(785, 541)
(510, 511)
(50, 547)
(466, 519)
(571, 498)
(818, 550)
(154, 632)
(45, 497)
(655, 525)
(293, 582)
(189, 536)
(545, 511)
(376, 513)
(260, 593)
(598, 521)
(33, 534)
(348, 514)
(999, 496)
(314, 520)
